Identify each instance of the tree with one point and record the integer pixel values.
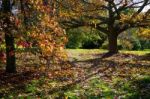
(144, 33)
(111, 17)
(9, 39)
(33, 24)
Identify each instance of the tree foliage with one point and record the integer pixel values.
(33, 26)
(144, 33)
(85, 37)
(111, 17)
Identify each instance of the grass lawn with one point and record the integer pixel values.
(86, 76)
(86, 51)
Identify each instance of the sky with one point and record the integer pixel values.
(0, 3)
(144, 10)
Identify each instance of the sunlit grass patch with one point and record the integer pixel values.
(85, 51)
(137, 52)
(101, 51)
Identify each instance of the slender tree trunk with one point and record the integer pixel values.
(9, 39)
(10, 53)
(22, 5)
(112, 46)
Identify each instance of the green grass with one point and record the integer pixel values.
(98, 89)
(131, 84)
(121, 76)
(87, 51)
(137, 52)
(92, 89)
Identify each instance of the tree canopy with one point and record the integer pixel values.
(111, 17)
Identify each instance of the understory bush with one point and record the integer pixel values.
(88, 38)
(127, 44)
(84, 38)
(105, 45)
(145, 44)
(131, 44)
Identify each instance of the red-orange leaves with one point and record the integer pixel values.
(2, 57)
(49, 36)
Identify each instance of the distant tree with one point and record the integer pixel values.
(111, 17)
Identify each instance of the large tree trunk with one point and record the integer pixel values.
(9, 39)
(112, 46)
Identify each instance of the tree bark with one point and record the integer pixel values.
(112, 43)
(9, 39)
(10, 53)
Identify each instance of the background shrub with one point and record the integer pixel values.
(105, 45)
(85, 38)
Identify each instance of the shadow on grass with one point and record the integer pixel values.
(115, 57)
(98, 65)
(145, 57)
(74, 83)
(141, 89)
(15, 82)
(141, 86)
(101, 65)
